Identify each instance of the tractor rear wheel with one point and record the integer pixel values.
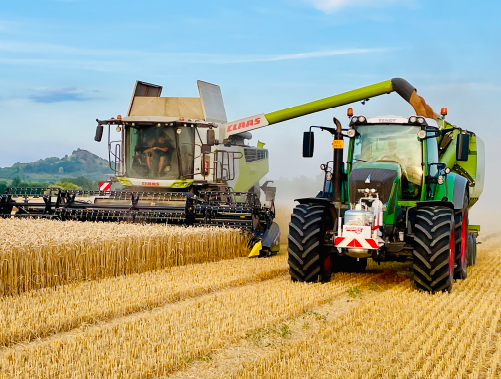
(462, 240)
(434, 249)
(309, 260)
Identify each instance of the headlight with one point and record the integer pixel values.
(447, 170)
(351, 133)
(322, 167)
(179, 130)
(421, 134)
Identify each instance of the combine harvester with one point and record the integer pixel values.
(180, 161)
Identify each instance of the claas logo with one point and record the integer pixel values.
(244, 124)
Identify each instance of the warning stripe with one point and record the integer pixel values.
(364, 243)
(104, 186)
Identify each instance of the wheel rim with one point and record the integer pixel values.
(451, 252)
(463, 239)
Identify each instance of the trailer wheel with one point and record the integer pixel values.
(434, 249)
(473, 249)
(309, 260)
(462, 240)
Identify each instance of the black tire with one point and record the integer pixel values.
(473, 250)
(462, 240)
(309, 260)
(434, 249)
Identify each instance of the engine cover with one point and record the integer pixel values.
(373, 177)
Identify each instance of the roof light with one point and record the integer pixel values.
(354, 120)
(361, 119)
(443, 111)
(350, 112)
(420, 120)
(412, 119)
(181, 118)
(119, 117)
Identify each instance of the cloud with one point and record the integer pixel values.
(331, 6)
(314, 54)
(57, 95)
(63, 56)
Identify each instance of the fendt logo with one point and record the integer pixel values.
(243, 125)
(150, 183)
(354, 229)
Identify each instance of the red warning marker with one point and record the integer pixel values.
(104, 186)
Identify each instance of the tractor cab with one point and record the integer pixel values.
(386, 151)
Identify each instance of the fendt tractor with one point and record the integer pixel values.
(403, 195)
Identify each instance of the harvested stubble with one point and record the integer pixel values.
(163, 340)
(38, 314)
(43, 253)
(403, 333)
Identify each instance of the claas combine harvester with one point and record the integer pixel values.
(404, 193)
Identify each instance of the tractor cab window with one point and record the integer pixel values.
(392, 143)
(154, 152)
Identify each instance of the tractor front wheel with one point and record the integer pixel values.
(434, 249)
(309, 260)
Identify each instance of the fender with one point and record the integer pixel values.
(322, 201)
(457, 185)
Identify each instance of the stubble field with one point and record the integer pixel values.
(244, 318)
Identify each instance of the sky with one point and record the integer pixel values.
(64, 63)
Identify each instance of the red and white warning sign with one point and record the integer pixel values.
(365, 243)
(104, 186)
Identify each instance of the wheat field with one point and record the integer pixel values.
(37, 254)
(244, 318)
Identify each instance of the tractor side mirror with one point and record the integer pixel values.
(462, 147)
(211, 137)
(308, 144)
(99, 133)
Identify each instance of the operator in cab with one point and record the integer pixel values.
(158, 156)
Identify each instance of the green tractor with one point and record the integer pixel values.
(403, 195)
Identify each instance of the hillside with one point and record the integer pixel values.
(79, 163)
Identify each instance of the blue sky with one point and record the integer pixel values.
(65, 63)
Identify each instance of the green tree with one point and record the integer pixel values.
(67, 185)
(15, 182)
